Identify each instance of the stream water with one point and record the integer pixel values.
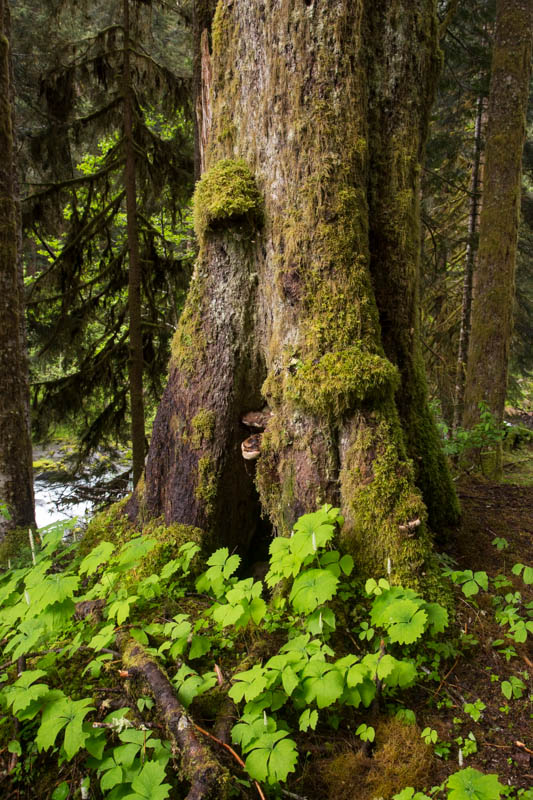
(64, 490)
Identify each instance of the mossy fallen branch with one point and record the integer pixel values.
(207, 777)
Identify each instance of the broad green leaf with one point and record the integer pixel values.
(57, 714)
(308, 719)
(250, 728)
(289, 679)
(133, 551)
(312, 588)
(23, 698)
(272, 759)
(125, 754)
(111, 778)
(149, 782)
(321, 621)
(54, 589)
(200, 645)
(346, 564)
(437, 618)
(98, 555)
(61, 792)
(527, 576)
(249, 684)
(322, 683)
(470, 784)
(404, 620)
(103, 638)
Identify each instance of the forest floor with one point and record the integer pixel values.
(493, 511)
(502, 735)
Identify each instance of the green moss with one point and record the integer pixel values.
(111, 525)
(169, 539)
(340, 381)
(15, 547)
(188, 343)
(226, 192)
(401, 758)
(203, 427)
(206, 484)
(381, 500)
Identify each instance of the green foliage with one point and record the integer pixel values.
(513, 688)
(475, 710)
(470, 784)
(484, 437)
(467, 784)
(469, 581)
(304, 684)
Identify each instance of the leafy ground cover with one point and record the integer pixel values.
(124, 665)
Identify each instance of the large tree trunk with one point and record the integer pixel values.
(16, 478)
(493, 289)
(282, 306)
(404, 65)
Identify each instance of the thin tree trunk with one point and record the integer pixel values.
(493, 289)
(134, 273)
(282, 308)
(471, 249)
(203, 11)
(16, 478)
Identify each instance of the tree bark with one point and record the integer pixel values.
(203, 11)
(16, 477)
(403, 80)
(134, 271)
(471, 250)
(282, 306)
(493, 289)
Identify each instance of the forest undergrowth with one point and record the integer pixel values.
(129, 670)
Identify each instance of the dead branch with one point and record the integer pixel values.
(207, 776)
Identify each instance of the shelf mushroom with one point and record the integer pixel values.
(256, 420)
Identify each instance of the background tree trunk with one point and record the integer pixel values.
(134, 271)
(16, 478)
(471, 250)
(493, 290)
(282, 305)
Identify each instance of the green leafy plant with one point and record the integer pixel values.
(513, 688)
(475, 709)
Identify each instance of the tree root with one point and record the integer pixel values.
(207, 777)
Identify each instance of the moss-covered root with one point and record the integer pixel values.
(385, 517)
(208, 779)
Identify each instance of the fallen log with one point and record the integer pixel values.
(208, 779)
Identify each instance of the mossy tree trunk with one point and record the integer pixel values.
(16, 479)
(319, 115)
(493, 289)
